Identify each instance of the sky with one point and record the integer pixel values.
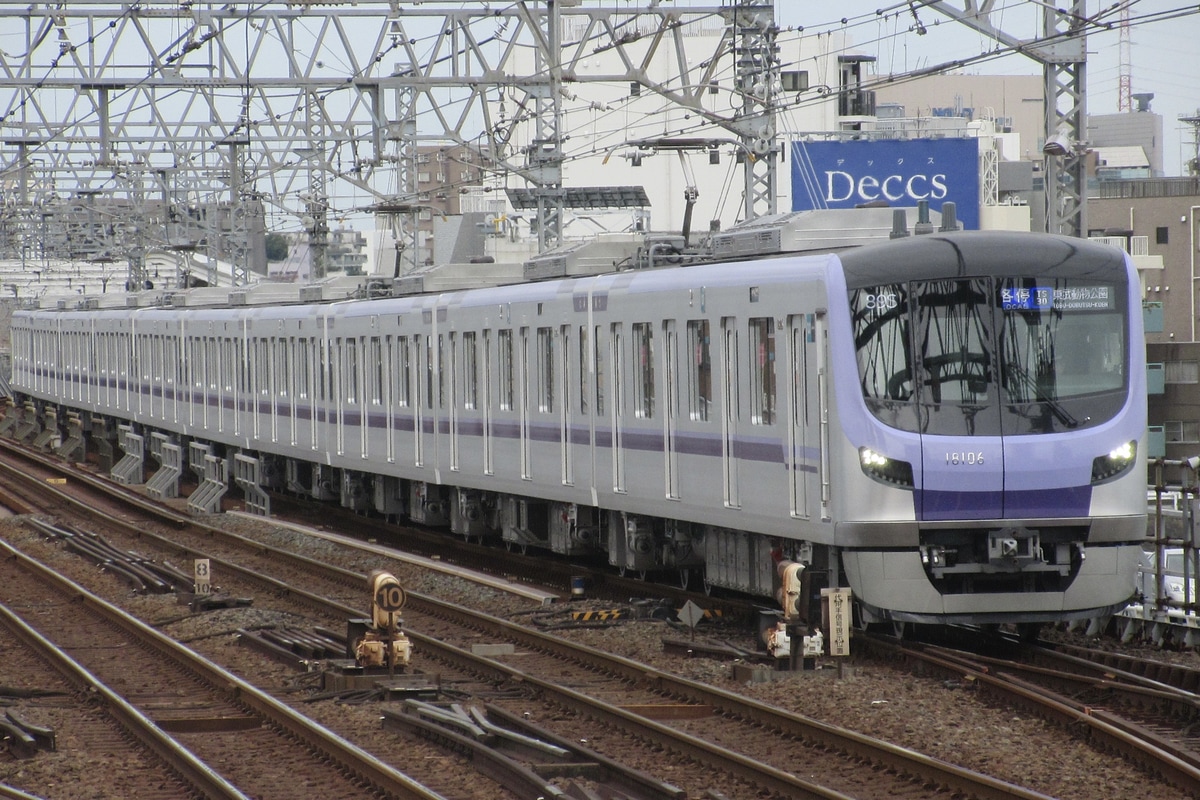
(1163, 38)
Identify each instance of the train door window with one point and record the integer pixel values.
(699, 375)
(351, 372)
(470, 371)
(303, 367)
(429, 371)
(374, 371)
(448, 374)
(440, 369)
(402, 372)
(762, 371)
(504, 362)
(545, 367)
(260, 370)
(584, 356)
(598, 358)
(283, 376)
(643, 355)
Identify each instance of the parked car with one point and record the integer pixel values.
(1174, 581)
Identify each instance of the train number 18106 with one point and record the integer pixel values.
(958, 459)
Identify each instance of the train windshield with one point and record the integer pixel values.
(990, 356)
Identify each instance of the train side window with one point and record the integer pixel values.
(699, 370)
(762, 371)
(643, 385)
(504, 363)
(545, 370)
(470, 371)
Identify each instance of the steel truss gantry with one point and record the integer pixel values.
(315, 110)
(1062, 52)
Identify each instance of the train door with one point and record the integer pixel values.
(420, 357)
(800, 465)
(485, 376)
(730, 357)
(450, 374)
(157, 376)
(564, 404)
(523, 401)
(821, 334)
(617, 359)
(670, 409)
(388, 378)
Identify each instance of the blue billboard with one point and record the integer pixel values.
(899, 173)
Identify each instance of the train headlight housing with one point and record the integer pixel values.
(1116, 462)
(891, 471)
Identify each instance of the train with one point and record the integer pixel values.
(950, 424)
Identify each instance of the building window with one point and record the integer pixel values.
(1181, 431)
(1161, 235)
(1181, 372)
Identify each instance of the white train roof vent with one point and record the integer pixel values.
(606, 253)
(810, 231)
(456, 276)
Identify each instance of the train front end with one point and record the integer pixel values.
(989, 456)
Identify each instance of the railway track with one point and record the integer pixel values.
(719, 740)
(227, 738)
(1149, 723)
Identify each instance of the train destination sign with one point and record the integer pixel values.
(1070, 298)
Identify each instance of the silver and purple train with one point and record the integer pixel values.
(950, 424)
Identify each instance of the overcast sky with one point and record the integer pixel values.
(1162, 50)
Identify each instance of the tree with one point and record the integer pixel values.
(277, 247)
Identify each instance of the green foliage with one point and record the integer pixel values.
(277, 247)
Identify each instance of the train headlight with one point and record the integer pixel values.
(1116, 462)
(891, 471)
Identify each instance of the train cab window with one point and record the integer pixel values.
(643, 359)
(762, 371)
(699, 375)
(504, 364)
(545, 369)
(470, 371)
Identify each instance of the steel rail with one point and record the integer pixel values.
(348, 756)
